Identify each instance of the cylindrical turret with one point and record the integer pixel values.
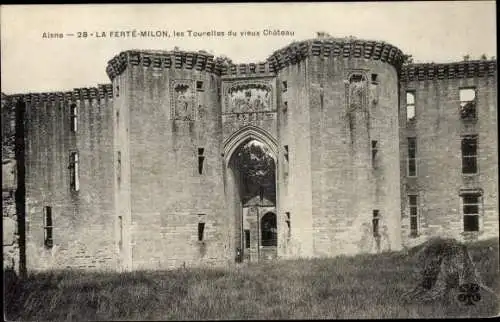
(169, 140)
(341, 128)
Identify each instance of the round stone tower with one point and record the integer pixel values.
(327, 108)
(167, 154)
(339, 126)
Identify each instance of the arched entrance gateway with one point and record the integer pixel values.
(250, 157)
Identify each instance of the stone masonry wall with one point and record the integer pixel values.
(140, 141)
(295, 173)
(168, 195)
(347, 186)
(9, 185)
(82, 220)
(241, 123)
(438, 130)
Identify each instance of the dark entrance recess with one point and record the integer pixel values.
(268, 230)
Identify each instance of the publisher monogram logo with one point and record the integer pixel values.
(469, 293)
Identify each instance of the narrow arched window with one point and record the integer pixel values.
(74, 169)
(410, 106)
(74, 118)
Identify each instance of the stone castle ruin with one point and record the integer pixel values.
(359, 153)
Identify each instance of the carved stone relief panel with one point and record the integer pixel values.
(356, 90)
(182, 100)
(248, 97)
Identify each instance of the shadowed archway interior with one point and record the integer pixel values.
(269, 232)
(251, 185)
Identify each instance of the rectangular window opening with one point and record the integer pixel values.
(413, 206)
(247, 238)
(288, 223)
(374, 151)
(468, 103)
(74, 171)
(74, 118)
(469, 155)
(120, 242)
(356, 78)
(12, 125)
(374, 78)
(410, 106)
(201, 159)
(117, 91)
(285, 86)
(285, 106)
(471, 210)
(201, 231)
(412, 157)
(119, 165)
(286, 153)
(375, 222)
(48, 226)
(199, 86)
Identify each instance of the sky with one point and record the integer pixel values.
(430, 31)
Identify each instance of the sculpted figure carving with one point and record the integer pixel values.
(357, 91)
(248, 98)
(183, 104)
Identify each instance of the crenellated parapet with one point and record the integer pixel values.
(464, 69)
(290, 55)
(199, 61)
(336, 47)
(100, 92)
(246, 70)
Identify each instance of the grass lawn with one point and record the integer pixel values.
(364, 286)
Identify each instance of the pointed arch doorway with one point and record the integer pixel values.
(251, 186)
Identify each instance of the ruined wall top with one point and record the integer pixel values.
(463, 69)
(295, 52)
(86, 93)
